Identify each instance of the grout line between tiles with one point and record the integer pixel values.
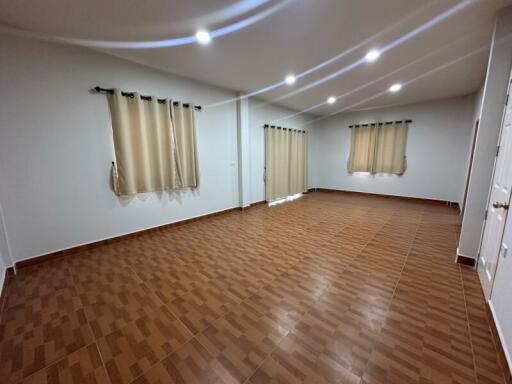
(58, 360)
(102, 361)
(394, 290)
(3, 304)
(204, 346)
(70, 269)
(489, 328)
(307, 312)
(269, 282)
(303, 230)
(504, 368)
(468, 325)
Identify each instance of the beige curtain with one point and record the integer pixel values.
(378, 148)
(277, 159)
(362, 149)
(185, 127)
(285, 162)
(390, 146)
(153, 144)
(298, 162)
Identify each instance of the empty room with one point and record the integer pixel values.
(255, 192)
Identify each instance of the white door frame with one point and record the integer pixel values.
(489, 194)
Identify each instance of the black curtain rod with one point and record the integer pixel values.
(131, 94)
(290, 129)
(387, 122)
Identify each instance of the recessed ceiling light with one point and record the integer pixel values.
(331, 100)
(395, 87)
(203, 37)
(372, 55)
(290, 79)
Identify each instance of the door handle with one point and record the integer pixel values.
(500, 205)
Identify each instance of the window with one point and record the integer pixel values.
(285, 162)
(155, 144)
(378, 148)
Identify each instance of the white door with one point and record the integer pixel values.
(501, 291)
(498, 205)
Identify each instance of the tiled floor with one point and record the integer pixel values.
(332, 288)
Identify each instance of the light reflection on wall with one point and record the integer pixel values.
(285, 199)
(165, 43)
(372, 175)
(371, 82)
(422, 76)
(317, 67)
(404, 38)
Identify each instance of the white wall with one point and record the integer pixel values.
(244, 156)
(491, 112)
(56, 148)
(260, 114)
(476, 117)
(437, 150)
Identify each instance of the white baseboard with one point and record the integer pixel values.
(508, 353)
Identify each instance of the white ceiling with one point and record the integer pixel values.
(300, 35)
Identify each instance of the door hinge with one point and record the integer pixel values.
(486, 213)
(497, 150)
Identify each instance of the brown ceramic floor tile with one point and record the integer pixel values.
(110, 307)
(240, 342)
(331, 288)
(39, 311)
(33, 282)
(298, 359)
(81, 367)
(38, 333)
(133, 349)
(199, 308)
(487, 362)
(191, 364)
